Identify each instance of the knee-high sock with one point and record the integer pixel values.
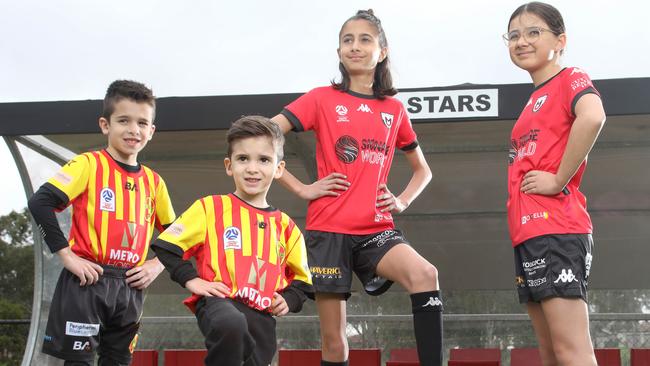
(427, 322)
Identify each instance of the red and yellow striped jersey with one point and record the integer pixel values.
(253, 251)
(113, 211)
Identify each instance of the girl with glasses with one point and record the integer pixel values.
(549, 225)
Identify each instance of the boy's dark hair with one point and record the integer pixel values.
(383, 80)
(548, 13)
(256, 126)
(133, 90)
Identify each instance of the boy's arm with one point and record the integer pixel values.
(43, 205)
(183, 273)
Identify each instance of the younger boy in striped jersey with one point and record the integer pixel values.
(116, 202)
(251, 257)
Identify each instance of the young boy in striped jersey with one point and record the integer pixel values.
(116, 202)
(251, 257)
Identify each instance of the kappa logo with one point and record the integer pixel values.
(107, 200)
(577, 70)
(540, 102)
(530, 101)
(364, 108)
(342, 111)
(433, 301)
(231, 238)
(387, 118)
(566, 276)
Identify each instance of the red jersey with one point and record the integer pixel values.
(113, 211)
(253, 251)
(538, 141)
(356, 135)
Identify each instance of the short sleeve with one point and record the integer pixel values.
(165, 214)
(297, 254)
(188, 230)
(406, 138)
(579, 84)
(303, 112)
(72, 178)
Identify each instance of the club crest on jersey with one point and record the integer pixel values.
(387, 118)
(539, 102)
(342, 112)
(231, 238)
(148, 209)
(107, 200)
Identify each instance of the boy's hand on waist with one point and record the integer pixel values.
(142, 276)
(328, 186)
(201, 287)
(87, 271)
(279, 305)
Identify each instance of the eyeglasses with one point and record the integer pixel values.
(530, 34)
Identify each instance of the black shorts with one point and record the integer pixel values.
(333, 257)
(81, 316)
(553, 266)
(236, 334)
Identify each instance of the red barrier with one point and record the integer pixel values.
(184, 357)
(640, 357)
(145, 357)
(309, 357)
(608, 356)
(525, 357)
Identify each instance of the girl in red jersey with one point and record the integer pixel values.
(350, 226)
(549, 224)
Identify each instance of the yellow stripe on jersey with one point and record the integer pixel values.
(104, 229)
(226, 216)
(131, 193)
(273, 242)
(246, 240)
(212, 237)
(92, 203)
(260, 237)
(149, 215)
(119, 197)
(142, 197)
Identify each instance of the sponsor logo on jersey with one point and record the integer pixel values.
(231, 238)
(566, 276)
(347, 149)
(342, 112)
(63, 177)
(81, 346)
(129, 186)
(387, 118)
(534, 216)
(364, 108)
(176, 229)
(252, 296)
(81, 329)
(580, 83)
(107, 200)
(537, 263)
(539, 103)
(525, 146)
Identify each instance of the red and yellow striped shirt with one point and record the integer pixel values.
(255, 252)
(113, 211)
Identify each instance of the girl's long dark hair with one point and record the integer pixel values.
(383, 80)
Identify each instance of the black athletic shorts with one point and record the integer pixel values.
(333, 257)
(553, 266)
(102, 318)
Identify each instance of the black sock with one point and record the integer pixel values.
(328, 363)
(427, 322)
